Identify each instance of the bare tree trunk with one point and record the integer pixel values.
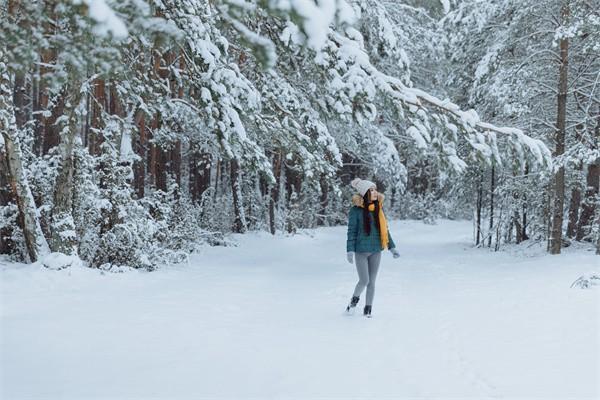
(589, 203)
(575, 201)
(139, 147)
(492, 188)
(592, 188)
(265, 197)
(574, 205)
(184, 170)
(14, 13)
(153, 154)
(19, 100)
(559, 177)
(524, 234)
(274, 193)
(114, 105)
(98, 105)
(162, 161)
(158, 158)
(518, 227)
(50, 136)
(548, 213)
(498, 226)
(479, 206)
(34, 239)
(6, 197)
(291, 198)
(239, 224)
(217, 177)
(193, 167)
(64, 239)
(200, 172)
(35, 108)
(321, 219)
(597, 134)
(598, 240)
(176, 162)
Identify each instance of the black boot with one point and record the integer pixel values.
(367, 311)
(353, 303)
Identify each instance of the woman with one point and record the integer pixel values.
(368, 235)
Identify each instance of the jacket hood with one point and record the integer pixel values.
(358, 201)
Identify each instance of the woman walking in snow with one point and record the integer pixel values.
(368, 235)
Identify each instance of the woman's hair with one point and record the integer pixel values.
(367, 214)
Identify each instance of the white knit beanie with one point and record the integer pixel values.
(361, 185)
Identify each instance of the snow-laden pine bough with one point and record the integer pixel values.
(356, 88)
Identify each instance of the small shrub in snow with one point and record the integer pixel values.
(57, 261)
(12, 234)
(586, 281)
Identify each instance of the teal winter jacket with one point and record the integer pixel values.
(358, 240)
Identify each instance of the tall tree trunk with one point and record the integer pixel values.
(194, 175)
(589, 203)
(114, 105)
(598, 241)
(162, 168)
(274, 197)
(98, 105)
(62, 228)
(290, 199)
(561, 117)
(34, 239)
(322, 218)
(19, 100)
(524, 234)
(184, 169)
(574, 205)
(158, 158)
(597, 135)
(492, 188)
(575, 201)
(519, 222)
(37, 89)
(139, 147)
(36, 108)
(479, 206)
(239, 224)
(50, 131)
(51, 136)
(592, 188)
(217, 175)
(175, 165)
(153, 154)
(6, 197)
(518, 227)
(200, 172)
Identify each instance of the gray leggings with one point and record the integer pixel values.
(367, 266)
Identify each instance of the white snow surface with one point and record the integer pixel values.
(265, 320)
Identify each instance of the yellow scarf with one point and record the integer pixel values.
(382, 226)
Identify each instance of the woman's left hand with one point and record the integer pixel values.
(395, 252)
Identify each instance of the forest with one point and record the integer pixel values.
(134, 132)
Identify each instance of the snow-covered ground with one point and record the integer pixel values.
(265, 320)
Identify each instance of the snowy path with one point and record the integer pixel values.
(264, 320)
